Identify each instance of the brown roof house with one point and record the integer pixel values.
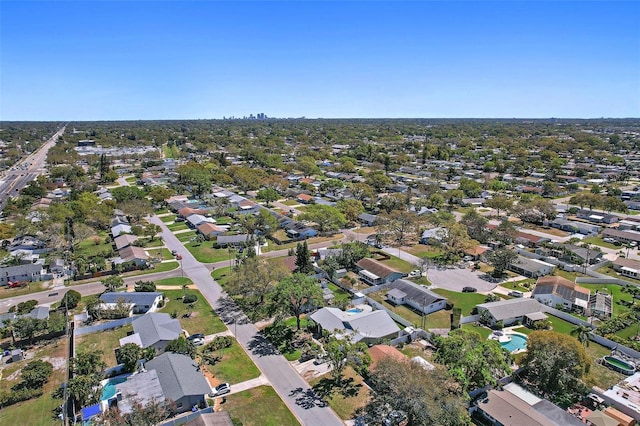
(378, 352)
(555, 290)
(374, 272)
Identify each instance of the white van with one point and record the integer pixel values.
(516, 293)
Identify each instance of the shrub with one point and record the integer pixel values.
(26, 307)
(70, 299)
(189, 298)
(15, 396)
(36, 373)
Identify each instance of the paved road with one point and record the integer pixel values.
(26, 170)
(55, 294)
(293, 390)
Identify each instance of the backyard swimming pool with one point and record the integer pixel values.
(109, 388)
(517, 343)
(354, 311)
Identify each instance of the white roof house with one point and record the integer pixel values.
(370, 326)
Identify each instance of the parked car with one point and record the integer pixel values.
(609, 240)
(195, 336)
(416, 273)
(516, 293)
(221, 390)
(469, 289)
(174, 252)
(198, 341)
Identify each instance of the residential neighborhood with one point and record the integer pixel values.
(188, 276)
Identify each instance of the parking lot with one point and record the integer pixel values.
(457, 278)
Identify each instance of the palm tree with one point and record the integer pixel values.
(581, 332)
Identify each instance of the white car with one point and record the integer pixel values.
(221, 390)
(416, 273)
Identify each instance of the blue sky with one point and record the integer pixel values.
(107, 60)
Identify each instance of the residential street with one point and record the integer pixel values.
(293, 390)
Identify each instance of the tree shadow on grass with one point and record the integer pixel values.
(347, 387)
(308, 398)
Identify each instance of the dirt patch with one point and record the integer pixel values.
(59, 363)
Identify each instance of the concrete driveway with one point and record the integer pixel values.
(456, 279)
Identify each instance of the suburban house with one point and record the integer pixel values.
(601, 304)
(622, 236)
(133, 254)
(625, 396)
(405, 292)
(526, 311)
(121, 228)
(572, 254)
(124, 240)
(247, 207)
(232, 240)
(476, 252)
(181, 380)
(530, 240)
(304, 198)
(531, 268)
(436, 234)
(518, 407)
(299, 231)
(374, 272)
(367, 219)
(211, 229)
(185, 212)
(575, 227)
(627, 267)
(556, 290)
(28, 272)
(153, 329)
(366, 326)
(29, 243)
(379, 352)
(196, 219)
(142, 302)
(596, 217)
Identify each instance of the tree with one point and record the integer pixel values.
(303, 258)
(70, 299)
(499, 203)
(275, 182)
(265, 222)
(136, 209)
(307, 165)
(455, 239)
(85, 390)
(112, 283)
(500, 259)
(581, 332)
(470, 187)
(296, 293)
(181, 346)
(363, 192)
(28, 327)
(476, 225)
(328, 218)
(26, 306)
(36, 373)
(352, 253)
(88, 364)
(129, 355)
(145, 286)
(350, 208)
(378, 180)
(268, 195)
(473, 361)
(425, 397)
(340, 353)
(555, 365)
(535, 211)
(151, 230)
(150, 414)
(395, 226)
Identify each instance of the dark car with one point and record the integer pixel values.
(195, 336)
(174, 252)
(469, 289)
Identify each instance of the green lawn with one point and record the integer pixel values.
(168, 218)
(338, 293)
(629, 332)
(183, 237)
(177, 226)
(163, 253)
(235, 366)
(290, 202)
(259, 406)
(132, 179)
(105, 341)
(483, 331)
(155, 243)
(224, 220)
(608, 270)
(405, 312)
(159, 267)
(89, 247)
(517, 285)
(174, 281)
(205, 253)
(345, 398)
(571, 276)
(220, 275)
(599, 242)
(399, 264)
(560, 325)
(440, 319)
(464, 301)
(6, 292)
(423, 250)
(202, 320)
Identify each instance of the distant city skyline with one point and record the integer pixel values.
(125, 60)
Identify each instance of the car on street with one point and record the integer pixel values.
(469, 289)
(221, 390)
(174, 252)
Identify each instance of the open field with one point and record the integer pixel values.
(259, 406)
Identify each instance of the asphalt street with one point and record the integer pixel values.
(294, 391)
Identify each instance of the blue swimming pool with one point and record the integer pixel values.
(516, 343)
(109, 388)
(354, 311)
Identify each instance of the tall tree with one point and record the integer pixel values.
(303, 258)
(501, 259)
(296, 293)
(328, 218)
(268, 195)
(341, 353)
(499, 203)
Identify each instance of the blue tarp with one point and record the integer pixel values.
(91, 411)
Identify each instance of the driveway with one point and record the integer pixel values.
(456, 279)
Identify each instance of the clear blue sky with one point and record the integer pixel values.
(94, 60)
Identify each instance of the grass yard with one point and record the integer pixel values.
(183, 237)
(365, 230)
(517, 285)
(6, 292)
(547, 230)
(202, 320)
(174, 281)
(464, 301)
(177, 226)
(483, 331)
(224, 220)
(405, 312)
(131, 180)
(315, 240)
(168, 218)
(205, 253)
(423, 250)
(155, 243)
(560, 325)
(38, 411)
(571, 276)
(600, 242)
(347, 396)
(220, 275)
(399, 264)
(235, 366)
(290, 203)
(608, 270)
(159, 267)
(439, 319)
(105, 341)
(162, 253)
(89, 247)
(259, 406)
(338, 293)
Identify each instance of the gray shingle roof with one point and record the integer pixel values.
(512, 308)
(416, 293)
(179, 376)
(156, 327)
(372, 324)
(137, 298)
